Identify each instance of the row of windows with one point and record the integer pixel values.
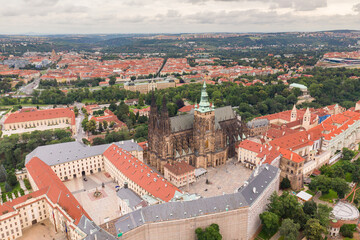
(41, 123)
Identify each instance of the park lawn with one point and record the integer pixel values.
(340, 162)
(348, 177)
(329, 196)
(88, 101)
(265, 236)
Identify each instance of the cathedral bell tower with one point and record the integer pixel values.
(204, 131)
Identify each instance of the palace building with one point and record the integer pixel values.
(205, 137)
(31, 119)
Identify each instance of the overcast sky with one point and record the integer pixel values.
(175, 16)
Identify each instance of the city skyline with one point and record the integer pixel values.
(178, 16)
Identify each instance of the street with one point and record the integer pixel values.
(29, 88)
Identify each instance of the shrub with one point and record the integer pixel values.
(27, 184)
(347, 230)
(3, 197)
(16, 194)
(22, 192)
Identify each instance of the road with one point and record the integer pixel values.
(29, 88)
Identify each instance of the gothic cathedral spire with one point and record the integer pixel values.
(204, 105)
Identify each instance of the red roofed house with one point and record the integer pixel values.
(180, 173)
(253, 154)
(109, 117)
(34, 119)
(142, 112)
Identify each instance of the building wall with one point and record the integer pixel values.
(233, 225)
(293, 171)
(63, 122)
(179, 180)
(88, 166)
(259, 206)
(248, 158)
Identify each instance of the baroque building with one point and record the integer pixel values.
(205, 137)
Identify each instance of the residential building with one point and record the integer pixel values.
(253, 154)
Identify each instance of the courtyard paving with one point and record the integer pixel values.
(42, 231)
(104, 207)
(222, 180)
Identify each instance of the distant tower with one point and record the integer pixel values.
(204, 131)
(293, 114)
(307, 119)
(53, 54)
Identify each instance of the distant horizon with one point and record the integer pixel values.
(171, 33)
(52, 17)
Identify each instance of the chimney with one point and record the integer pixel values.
(291, 157)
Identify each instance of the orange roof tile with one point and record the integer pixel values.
(35, 115)
(57, 192)
(140, 173)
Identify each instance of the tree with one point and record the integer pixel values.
(112, 80)
(285, 183)
(141, 100)
(112, 107)
(98, 141)
(340, 186)
(323, 214)
(11, 179)
(347, 230)
(3, 174)
(314, 230)
(84, 124)
(76, 111)
(105, 124)
(210, 233)
(347, 154)
(7, 187)
(310, 208)
(285, 206)
(289, 229)
(270, 222)
(112, 124)
(91, 126)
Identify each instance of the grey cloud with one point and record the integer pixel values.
(356, 7)
(298, 5)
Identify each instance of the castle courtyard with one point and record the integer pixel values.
(100, 208)
(222, 179)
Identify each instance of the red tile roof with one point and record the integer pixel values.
(291, 155)
(109, 117)
(57, 192)
(140, 173)
(35, 115)
(293, 141)
(179, 168)
(186, 108)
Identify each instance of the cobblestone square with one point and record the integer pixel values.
(222, 179)
(103, 207)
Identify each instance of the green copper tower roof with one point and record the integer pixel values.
(204, 105)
